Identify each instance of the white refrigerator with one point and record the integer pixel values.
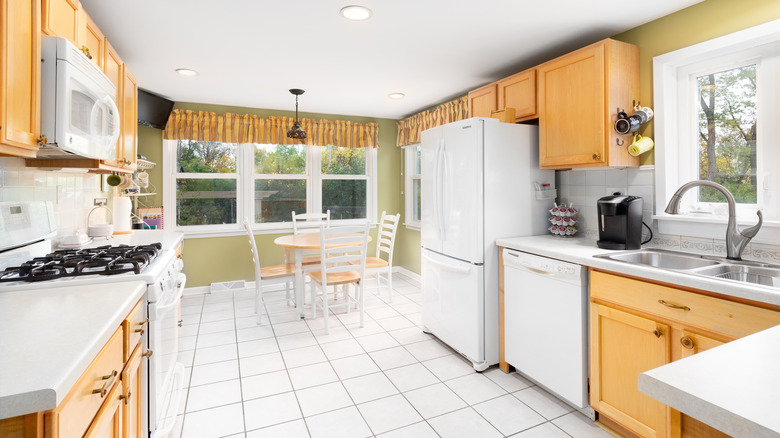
(478, 180)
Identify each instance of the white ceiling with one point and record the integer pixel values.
(250, 52)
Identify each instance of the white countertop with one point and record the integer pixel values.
(168, 239)
(48, 338)
(580, 250)
(734, 388)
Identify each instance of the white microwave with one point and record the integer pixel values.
(79, 117)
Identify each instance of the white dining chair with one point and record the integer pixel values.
(377, 266)
(340, 247)
(276, 274)
(310, 257)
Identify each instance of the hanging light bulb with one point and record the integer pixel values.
(296, 131)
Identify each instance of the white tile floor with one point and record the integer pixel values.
(288, 379)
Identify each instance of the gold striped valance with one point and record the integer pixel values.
(409, 129)
(249, 128)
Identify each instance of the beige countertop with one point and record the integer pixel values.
(48, 338)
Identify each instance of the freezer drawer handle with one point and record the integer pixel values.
(674, 306)
(447, 266)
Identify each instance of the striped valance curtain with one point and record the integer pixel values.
(409, 129)
(249, 128)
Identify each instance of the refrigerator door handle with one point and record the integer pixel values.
(447, 266)
(440, 184)
(436, 191)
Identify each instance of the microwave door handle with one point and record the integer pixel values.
(114, 111)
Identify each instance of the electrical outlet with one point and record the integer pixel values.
(100, 201)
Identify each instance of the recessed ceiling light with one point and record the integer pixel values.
(186, 72)
(396, 95)
(355, 12)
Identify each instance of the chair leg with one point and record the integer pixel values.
(288, 293)
(325, 307)
(312, 294)
(258, 304)
(390, 284)
(360, 285)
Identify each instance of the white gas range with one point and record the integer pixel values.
(27, 262)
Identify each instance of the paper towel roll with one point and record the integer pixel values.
(121, 215)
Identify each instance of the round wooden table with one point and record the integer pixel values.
(298, 243)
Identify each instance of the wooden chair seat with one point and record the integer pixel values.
(277, 271)
(336, 277)
(373, 262)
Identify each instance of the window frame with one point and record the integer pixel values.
(409, 177)
(672, 76)
(245, 191)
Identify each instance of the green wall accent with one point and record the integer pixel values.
(211, 260)
(701, 22)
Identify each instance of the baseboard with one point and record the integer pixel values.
(199, 290)
(403, 271)
(206, 290)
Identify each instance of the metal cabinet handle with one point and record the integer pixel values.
(109, 380)
(143, 326)
(657, 332)
(126, 398)
(596, 156)
(674, 306)
(180, 322)
(687, 342)
(148, 353)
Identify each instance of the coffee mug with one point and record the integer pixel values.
(627, 125)
(640, 145)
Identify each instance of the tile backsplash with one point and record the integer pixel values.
(583, 188)
(72, 194)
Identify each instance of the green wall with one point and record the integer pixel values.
(211, 260)
(701, 22)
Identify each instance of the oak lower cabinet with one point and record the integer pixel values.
(20, 77)
(578, 97)
(483, 101)
(636, 326)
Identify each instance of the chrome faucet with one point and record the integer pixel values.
(736, 240)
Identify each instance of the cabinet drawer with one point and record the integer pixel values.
(75, 413)
(135, 325)
(733, 320)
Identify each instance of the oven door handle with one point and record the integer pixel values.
(165, 430)
(181, 279)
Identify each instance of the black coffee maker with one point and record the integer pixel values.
(620, 222)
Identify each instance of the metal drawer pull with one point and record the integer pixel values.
(674, 306)
(126, 398)
(687, 342)
(109, 380)
(658, 333)
(143, 326)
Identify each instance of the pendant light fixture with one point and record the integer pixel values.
(296, 131)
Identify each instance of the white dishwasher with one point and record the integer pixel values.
(546, 323)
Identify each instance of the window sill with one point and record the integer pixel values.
(413, 226)
(238, 230)
(715, 227)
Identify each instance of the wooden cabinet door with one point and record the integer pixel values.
(483, 101)
(132, 393)
(129, 115)
(622, 346)
(519, 92)
(61, 18)
(20, 77)
(572, 109)
(93, 39)
(112, 67)
(108, 421)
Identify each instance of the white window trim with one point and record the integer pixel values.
(667, 69)
(246, 178)
(409, 177)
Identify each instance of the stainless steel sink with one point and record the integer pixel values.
(703, 265)
(659, 258)
(767, 276)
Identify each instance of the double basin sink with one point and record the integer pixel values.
(704, 265)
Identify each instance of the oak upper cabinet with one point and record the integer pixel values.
(93, 39)
(129, 115)
(519, 92)
(483, 101)
(579, 94)
(63, 18)
(112, 67)
(636, 326)
(20, 77)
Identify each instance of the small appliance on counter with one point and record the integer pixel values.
(620, 222)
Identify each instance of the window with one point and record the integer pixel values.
(716, 105)
(211, 186)
(412, 186)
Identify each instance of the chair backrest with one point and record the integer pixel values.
(388, 226)
(340, 247)
(315, 217)
(255, 256)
